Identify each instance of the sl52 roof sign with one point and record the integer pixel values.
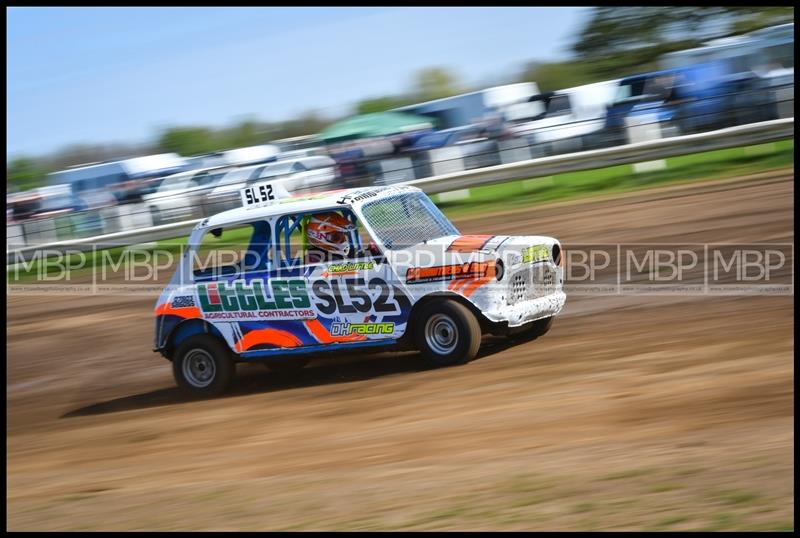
(261, 194)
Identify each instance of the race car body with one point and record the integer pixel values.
(247, 289)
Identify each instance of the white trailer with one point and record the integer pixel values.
(476, 107)
(100, 176)
(569, 115)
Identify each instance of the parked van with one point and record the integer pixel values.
(97, 176)
(571, 117)
(468, 108)
(688, 99)
(769, 53)
(766, 54)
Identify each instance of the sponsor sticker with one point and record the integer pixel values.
(357, 196)
(416, 275)
(345, 329)
(260, 299)
(536, 253)
(184, 301)
(350, 267)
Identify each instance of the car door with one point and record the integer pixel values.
(354, 300)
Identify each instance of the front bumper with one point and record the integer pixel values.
(529, 310)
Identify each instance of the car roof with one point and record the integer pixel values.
(343, 198)
(195, 171)
(684, 69)
(320, 160)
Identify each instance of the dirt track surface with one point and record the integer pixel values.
(631, 413)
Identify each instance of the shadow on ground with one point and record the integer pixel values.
(256, 379)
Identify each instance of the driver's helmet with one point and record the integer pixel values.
(330, 232)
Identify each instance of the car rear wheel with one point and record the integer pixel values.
(202, 366)
(447, 333)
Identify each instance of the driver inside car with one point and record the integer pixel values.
(331, 237)
(328, 237)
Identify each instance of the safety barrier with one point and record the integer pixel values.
(638, 152)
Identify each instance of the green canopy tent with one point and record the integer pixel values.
(374, 125)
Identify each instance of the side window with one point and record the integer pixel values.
(289, 240)
(212, 179)
(298, 167)
(637, 87)
(369, 248)
(655, 88)
(558, 105)
(232, 251)
(257, 172)
(198, 179)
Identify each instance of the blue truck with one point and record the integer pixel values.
(689, 99)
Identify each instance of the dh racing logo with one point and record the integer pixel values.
(346, 328)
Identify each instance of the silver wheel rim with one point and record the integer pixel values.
(441, 334)
(199, 368)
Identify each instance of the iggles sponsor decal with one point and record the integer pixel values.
(274, 299)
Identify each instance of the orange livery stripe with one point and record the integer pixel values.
(469, 243)
(274, 337)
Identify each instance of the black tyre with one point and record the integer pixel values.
(447, 333)
(203, 366)
(293, 364)
(533, 330)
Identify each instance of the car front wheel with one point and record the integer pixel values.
(447, 333)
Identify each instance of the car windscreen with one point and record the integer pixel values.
(241, 174)
(406, 219)
(273, 170)
(212, 179)
(174, 183)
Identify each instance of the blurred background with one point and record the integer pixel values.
(180, 108)
(655, 410)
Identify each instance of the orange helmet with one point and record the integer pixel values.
(329, 232)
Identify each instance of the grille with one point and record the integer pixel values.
(518, 286)
(532, 282)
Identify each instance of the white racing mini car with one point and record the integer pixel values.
(247, 290)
